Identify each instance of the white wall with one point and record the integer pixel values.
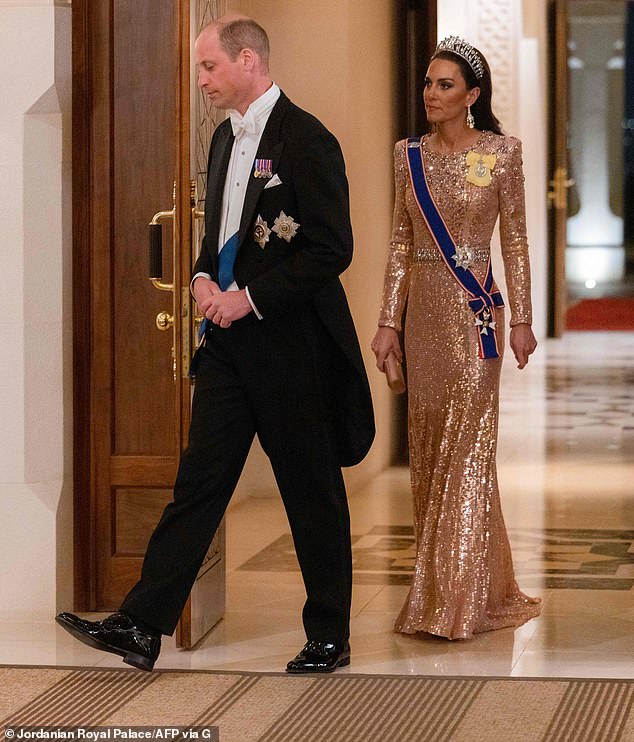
(35, 335)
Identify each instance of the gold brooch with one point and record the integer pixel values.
(284, 227)
(261, 232)
(480, 167)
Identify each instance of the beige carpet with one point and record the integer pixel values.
(267, 707)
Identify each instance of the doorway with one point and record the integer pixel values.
(596, 44)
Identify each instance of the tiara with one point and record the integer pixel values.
(462, 48)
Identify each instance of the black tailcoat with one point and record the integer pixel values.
(305, 270)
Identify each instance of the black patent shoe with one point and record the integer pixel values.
(119, 634)
(320, 657)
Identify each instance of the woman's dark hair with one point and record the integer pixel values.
(485, 119)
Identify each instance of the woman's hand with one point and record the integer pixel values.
(386, 342)
(523, 343)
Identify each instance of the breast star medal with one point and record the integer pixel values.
(463, 257)
(284, 227)
(480, 167)
(261, 232)
(485, 323)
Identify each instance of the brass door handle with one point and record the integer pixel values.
(156, 245)
(164, 320)
(197, 216)
(559, 185)
(193, 199)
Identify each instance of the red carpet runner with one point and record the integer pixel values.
(601, 314)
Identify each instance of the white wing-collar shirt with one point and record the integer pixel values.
(247, 131)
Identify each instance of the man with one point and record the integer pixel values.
(280, 358)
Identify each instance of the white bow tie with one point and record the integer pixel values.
(246, 123)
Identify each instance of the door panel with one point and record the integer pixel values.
(132, 75)
(134, 367)
(144, 115)
(137, 512)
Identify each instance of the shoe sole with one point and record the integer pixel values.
(130, 658)
(343, 663)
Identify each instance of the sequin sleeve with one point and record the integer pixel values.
(396, 282)
(513, 235)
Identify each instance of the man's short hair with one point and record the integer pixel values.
(244, 34)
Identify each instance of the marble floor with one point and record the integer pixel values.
(567, 481)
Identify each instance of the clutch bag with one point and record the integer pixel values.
(394, 374)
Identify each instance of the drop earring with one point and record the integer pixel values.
(470, 119)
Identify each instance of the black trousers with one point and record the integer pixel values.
(273, 380)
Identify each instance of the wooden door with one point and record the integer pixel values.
(559, 180)
(132, 158)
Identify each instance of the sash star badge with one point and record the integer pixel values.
(261, 232)
(480, 167)
(485, 323)
(463, 257)
(284, 227)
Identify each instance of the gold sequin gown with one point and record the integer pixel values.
(464, 581)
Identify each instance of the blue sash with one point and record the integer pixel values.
(226, 260)
(484, 298)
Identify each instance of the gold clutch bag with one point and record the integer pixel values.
(394, 374)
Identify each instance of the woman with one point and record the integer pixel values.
(458, 180)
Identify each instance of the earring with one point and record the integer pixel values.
(470, 119)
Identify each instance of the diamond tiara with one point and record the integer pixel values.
(463, 49)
